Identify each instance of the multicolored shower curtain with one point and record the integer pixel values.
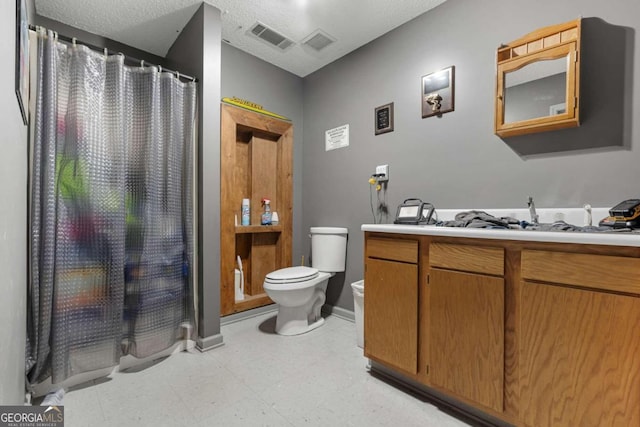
(111, 211)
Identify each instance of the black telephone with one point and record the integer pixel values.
(414, 212)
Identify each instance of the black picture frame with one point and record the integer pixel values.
(438, 92)
(22, 59)
(383, 119)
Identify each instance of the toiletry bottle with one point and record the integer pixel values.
(246, 217)
(265, 219)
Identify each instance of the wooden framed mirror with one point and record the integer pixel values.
(538, 81)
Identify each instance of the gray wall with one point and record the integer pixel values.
(197, 52)
(247, 77)
(13, 220)
(456, 161)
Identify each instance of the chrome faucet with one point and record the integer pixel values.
(532, 211)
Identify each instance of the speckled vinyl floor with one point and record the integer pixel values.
(256, 379)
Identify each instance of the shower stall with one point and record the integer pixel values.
(111, 211)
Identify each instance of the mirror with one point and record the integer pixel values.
(537, 90)
(538, 82)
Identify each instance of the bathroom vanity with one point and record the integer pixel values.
(529, 328)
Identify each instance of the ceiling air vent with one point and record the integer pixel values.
(270, 36)
(318, 40)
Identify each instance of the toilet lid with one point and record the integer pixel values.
(292, 275)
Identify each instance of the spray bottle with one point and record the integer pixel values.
(265, 219)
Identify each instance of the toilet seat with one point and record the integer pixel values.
(291, 275)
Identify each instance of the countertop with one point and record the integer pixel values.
(608, 238)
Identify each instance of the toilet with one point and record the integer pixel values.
(300, 291)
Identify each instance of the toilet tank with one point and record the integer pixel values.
(328, 248)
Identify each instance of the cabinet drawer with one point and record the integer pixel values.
(393, 249)
(474, 259)
(604, 272)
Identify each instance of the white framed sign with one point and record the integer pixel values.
(336, 138)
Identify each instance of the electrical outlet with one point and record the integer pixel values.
(383, 173)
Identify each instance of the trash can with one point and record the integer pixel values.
(358, 310)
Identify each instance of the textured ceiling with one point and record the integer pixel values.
(153, 25)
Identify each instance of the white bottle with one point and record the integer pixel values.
(239, 281)
(246, 212)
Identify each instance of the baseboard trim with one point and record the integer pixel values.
(339, 312)
(327, 310)
(209, 343)
(236, 317)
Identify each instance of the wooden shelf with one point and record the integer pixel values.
(251, 301)
(243, 229)
(256, 162)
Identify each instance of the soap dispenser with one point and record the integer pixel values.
(265, 219)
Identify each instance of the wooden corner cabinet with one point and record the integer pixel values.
(256, 162)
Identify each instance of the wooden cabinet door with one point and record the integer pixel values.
(580, 357)
(391, 313)
(467, 335)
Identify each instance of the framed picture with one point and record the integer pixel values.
(438, 92)
(383, 118)
(22, 58)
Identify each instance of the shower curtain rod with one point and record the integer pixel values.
(142, 62)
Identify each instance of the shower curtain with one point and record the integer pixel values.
(111, 211)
